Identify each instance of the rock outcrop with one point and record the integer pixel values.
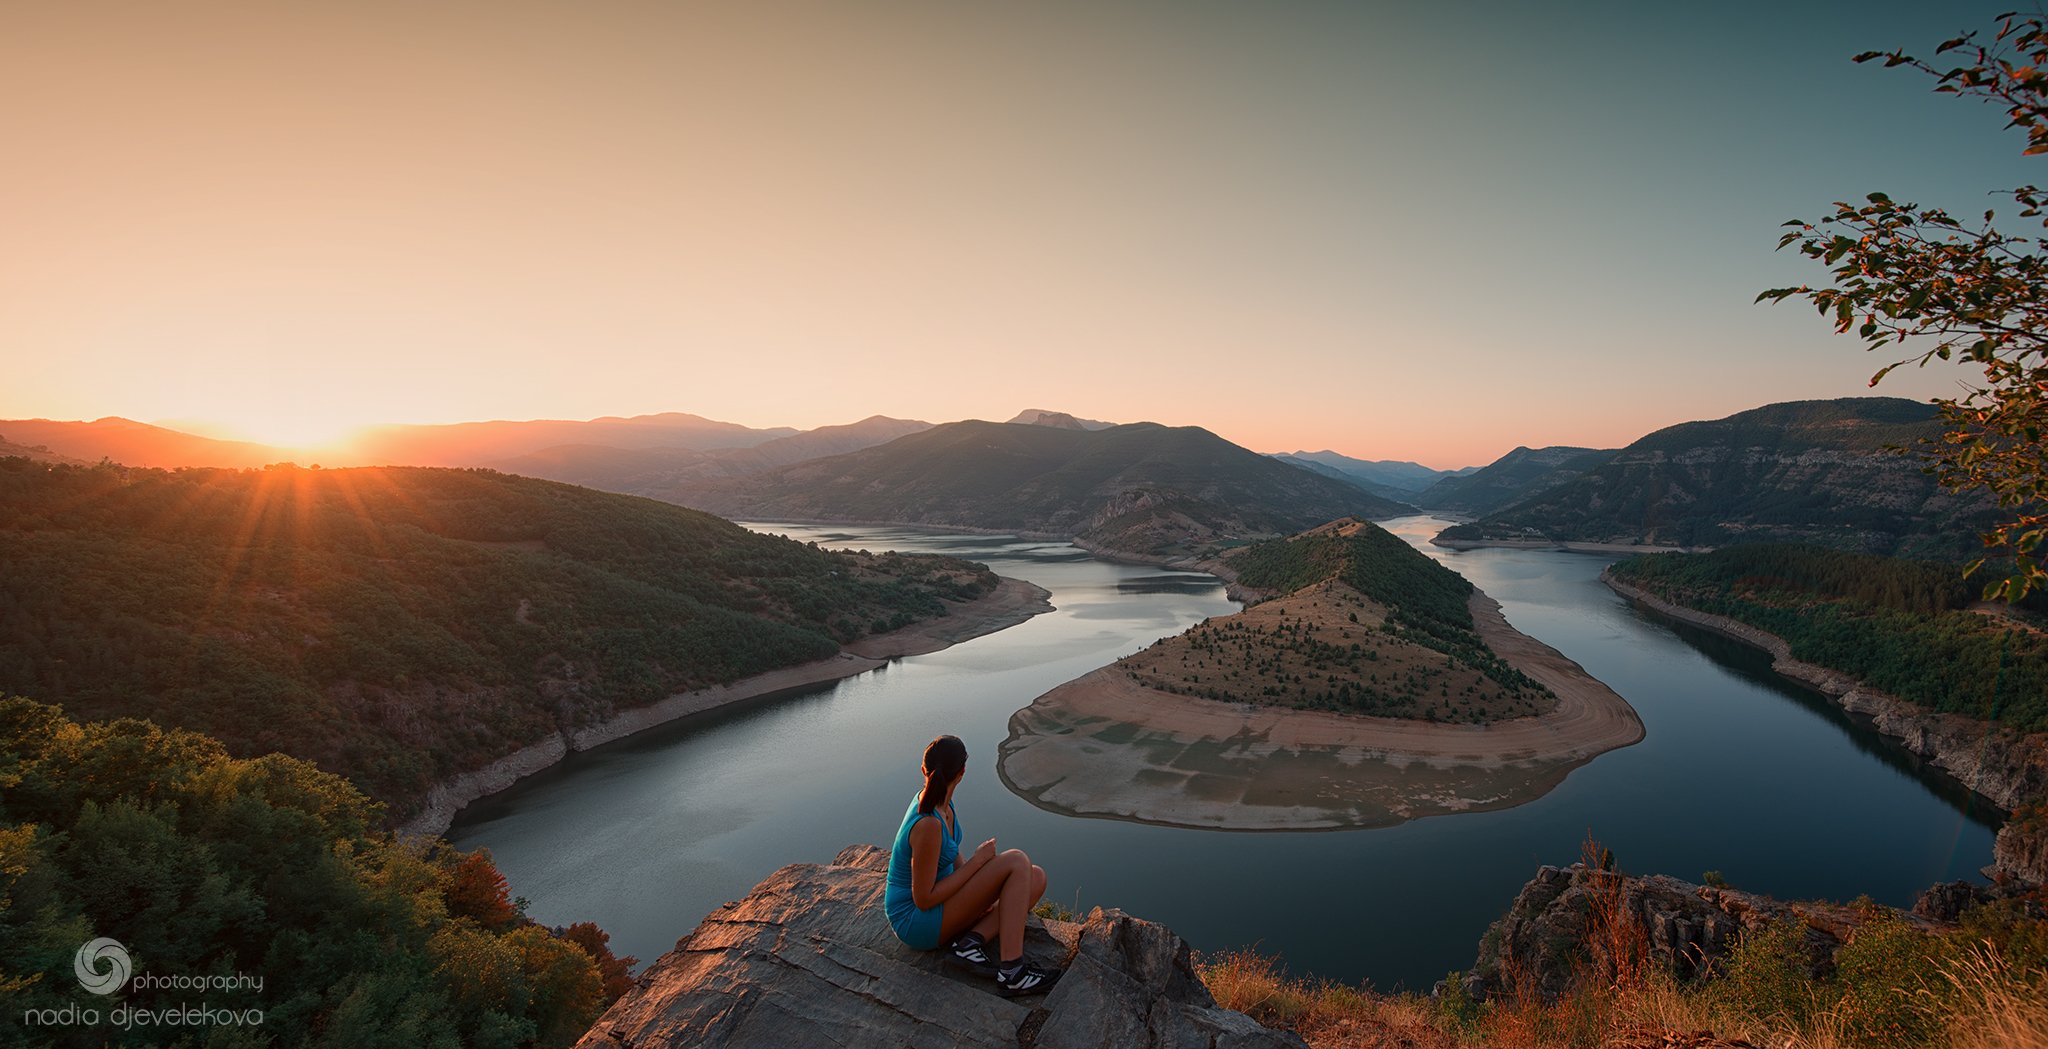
(807, 959)
(1567, 918)
(2021, 848)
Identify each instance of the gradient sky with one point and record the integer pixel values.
(1417, 231)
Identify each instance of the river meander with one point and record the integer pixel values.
(1739, 772)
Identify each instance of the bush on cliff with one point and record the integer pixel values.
(204, 865)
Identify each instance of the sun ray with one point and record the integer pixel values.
(345, 482)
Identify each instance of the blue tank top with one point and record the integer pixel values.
(896, 899)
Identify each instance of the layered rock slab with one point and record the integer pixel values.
(807, 958)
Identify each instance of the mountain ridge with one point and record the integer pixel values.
(1138, 487)
(1813, 471)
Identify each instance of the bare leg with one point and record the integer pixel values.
(987, 925)
(982, 895)
(1013, 898)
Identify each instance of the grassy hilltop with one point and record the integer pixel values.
(1361, 623)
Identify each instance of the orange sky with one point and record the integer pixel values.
(1296, 224)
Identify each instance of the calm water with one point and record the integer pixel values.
(1739, 773)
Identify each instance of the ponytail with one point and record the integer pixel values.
(944, 757)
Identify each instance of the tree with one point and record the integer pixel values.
(1914, 275)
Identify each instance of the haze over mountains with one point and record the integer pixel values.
(1392, 478)
(652, 471)
(131, 443)
(1814, 471)
(1137, 488)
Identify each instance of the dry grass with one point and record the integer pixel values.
(1327, 1015)
(1622, 998)
(1322, 648)
(1995, 1007)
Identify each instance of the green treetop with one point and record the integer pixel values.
(1959, 290)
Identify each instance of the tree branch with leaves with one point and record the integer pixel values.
(1961, 291)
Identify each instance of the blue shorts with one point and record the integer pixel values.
(918, 928)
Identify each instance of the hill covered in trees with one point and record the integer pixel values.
(1136, 488)
(401, 625)
(1365, 624)
(1801, 471)
(205, 866)
(1909, 628)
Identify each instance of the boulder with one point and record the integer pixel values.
(1567, 919)
(807, 958)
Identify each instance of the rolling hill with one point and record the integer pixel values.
(1140, 488)
(640, 471)
(485, 443)
(135, 444)
(1804, 471)
(1511, 478)
(401, 625)
(39, 452)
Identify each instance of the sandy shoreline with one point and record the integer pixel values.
(1104, 745)
(1567, 546)
(1012, 602)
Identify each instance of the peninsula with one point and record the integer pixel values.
(1381, 687)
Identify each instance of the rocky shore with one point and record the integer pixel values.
(1567, 546)
(1012, 602)
(2008, 767)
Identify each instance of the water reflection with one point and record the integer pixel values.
(1739, 772)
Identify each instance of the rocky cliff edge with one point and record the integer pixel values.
(807, 959)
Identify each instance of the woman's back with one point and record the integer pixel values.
(896, 897)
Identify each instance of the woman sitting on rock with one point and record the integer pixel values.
(933, 900)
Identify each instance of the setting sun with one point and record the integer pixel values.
(293, 430)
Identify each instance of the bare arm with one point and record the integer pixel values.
(927, 890)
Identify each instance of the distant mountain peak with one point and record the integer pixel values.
(1058, 420)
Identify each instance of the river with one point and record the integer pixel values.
(1739, 772)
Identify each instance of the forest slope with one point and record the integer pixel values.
(400, 625)
(1908, 628)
